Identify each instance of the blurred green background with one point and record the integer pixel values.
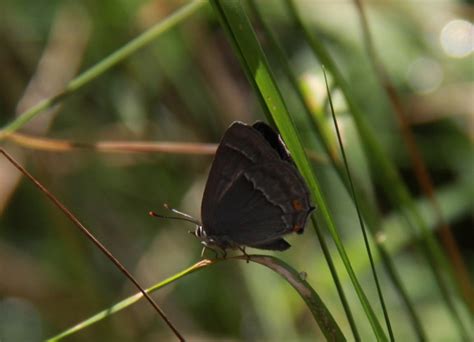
(188, 86)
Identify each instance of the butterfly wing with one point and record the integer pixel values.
(274, 139)
(241, 147)
(274, 245)
(265, 202)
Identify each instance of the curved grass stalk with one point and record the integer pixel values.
(318, 309)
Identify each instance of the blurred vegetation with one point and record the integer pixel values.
(188, 86)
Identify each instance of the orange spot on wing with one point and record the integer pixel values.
(297, 205)
(297, 228)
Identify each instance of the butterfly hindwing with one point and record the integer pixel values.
(274, 245)
(266, 201)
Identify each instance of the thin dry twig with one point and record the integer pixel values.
(62, 145)
(92, 238)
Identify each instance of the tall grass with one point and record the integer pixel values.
(267, 62)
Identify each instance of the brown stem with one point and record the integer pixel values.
(92, 238)
(48, 144)
(422, 175)
(59, 145)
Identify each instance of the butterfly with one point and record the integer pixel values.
(254, 194)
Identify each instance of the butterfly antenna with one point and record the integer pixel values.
(185, 217)
(179, 212)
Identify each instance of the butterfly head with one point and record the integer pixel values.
(205, 239)
(200, 233)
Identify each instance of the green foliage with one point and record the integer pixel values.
(192, 71)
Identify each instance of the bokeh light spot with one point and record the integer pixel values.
(425, 75)
(457, 38)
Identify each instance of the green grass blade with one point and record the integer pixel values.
(337, 282)
(128, 301)
(372, 218)
(286, 67)
(359, 215)
(233, 17)
(455, 201)
(419, 166)
(320, 312)
(396, 190)
(89, 75)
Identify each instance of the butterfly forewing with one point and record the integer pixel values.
(240, 147)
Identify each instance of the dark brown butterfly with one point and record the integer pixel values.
(254, 194)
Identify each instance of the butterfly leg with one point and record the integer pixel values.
(216, 255)
(242, 249)
(215, 251)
